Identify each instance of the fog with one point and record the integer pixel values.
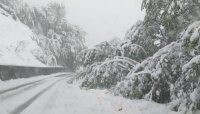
(101, 19)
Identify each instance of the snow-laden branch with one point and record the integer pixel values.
(149, 95)
(115, 60)
(122, 66)
(140, 48)
(132, 45)
(120, 57)
(139, 73)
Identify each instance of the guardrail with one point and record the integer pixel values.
(8, 72)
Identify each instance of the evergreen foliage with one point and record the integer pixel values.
(158, 60)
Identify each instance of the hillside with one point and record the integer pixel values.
(45, 33)
(16, 45)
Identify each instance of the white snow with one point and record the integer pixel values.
(100, 95)
(194, 96)
(195, 35)
(194, 60)
(64, 98)
(74, 101)
(192, 30)
(11, 34)
(7, 105)
(4, 85)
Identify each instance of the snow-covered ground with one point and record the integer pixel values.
(64, 98)
(16, 43)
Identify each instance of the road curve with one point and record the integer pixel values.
(17, 99)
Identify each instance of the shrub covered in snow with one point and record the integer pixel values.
(152, 78)
(158, 60)
(101, 67)
(107, 73)
(170, 74)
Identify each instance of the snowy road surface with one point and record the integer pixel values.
(53, 95)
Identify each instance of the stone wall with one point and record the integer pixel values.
(14, 72)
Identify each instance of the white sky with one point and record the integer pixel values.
(101, 19)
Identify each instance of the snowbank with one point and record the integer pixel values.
(126, 106)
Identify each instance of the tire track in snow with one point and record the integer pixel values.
(13, 94)
(23, 85)
(52, 99)
(23, 106)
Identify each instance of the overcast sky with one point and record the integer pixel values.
(101, 19)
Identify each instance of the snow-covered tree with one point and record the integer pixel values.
(7, 11)
(96, 54)
(137, 45)
(171, 74)
(152, 78)
(52, 31)
(165, 19)
(158, 60)
(11, 3)
(101, 67)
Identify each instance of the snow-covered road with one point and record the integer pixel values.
(53, 95)
(15, 100)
